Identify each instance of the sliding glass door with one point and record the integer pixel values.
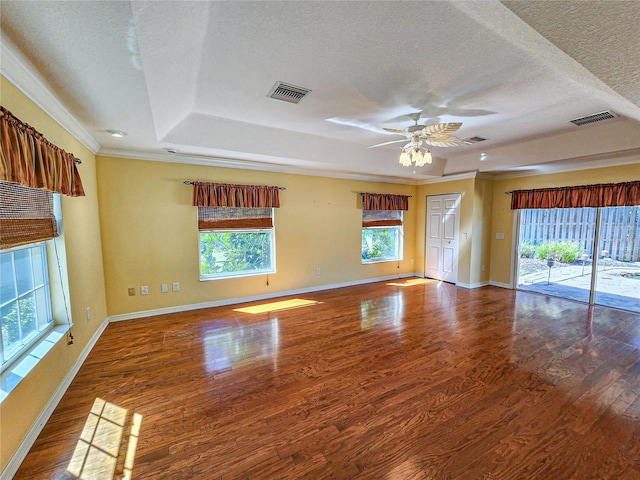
(558, 254)
(618, 272)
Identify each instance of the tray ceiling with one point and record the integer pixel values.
(196, 77)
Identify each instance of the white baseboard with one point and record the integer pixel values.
(20, 454)
(472, 285)
(234, 301)
(501, 285)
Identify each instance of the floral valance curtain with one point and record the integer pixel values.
(227, 195)
(29, 159)
(600, 195)
(385, 201)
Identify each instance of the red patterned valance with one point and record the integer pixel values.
(385, 201)
(228, 195)
(28, 158)
(601, 195)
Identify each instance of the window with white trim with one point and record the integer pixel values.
(28, 218)
(25, 302)
(382, 232)
(235, 242)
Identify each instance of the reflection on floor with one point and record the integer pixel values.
(582, 295)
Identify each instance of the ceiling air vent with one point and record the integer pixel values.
(288, 93)
(595, 117)
(475, 139)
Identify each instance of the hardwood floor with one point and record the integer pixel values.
(398, 380)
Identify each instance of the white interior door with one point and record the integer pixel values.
(443, 224)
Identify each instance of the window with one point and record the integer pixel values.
(27, 220)
(25, 305)
(381, 235)
(235, 242)
(33, 170)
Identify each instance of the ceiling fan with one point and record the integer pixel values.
(421, 137)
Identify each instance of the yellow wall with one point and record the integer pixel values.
(502, 219)
(481, 241)
(149, 234)
(80, 244)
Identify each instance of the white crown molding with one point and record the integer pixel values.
(18, 70)
(221, 162)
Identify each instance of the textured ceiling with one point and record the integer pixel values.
(602, 36)
(194, 76)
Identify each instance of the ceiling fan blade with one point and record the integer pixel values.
(388, 143)
(441, 128)
(397, 132)
(440, 138)
(445, 141)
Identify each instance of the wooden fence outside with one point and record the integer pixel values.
(620, 229)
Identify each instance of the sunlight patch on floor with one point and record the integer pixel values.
(277, 306)
(101, 452)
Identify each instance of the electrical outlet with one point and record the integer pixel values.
(483, 268)
(144, 290)
(132, 292)
(164, 288)
(88, 313)
(175, 286)
(318, 271)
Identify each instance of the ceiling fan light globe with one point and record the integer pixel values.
(428, 158)
(417, 157)
(405, 159)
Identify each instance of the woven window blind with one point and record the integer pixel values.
(26, 215)
(381, 218)
(234, 218)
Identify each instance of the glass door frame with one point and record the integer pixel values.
(516, 243)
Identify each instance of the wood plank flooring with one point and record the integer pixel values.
(396, 380)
